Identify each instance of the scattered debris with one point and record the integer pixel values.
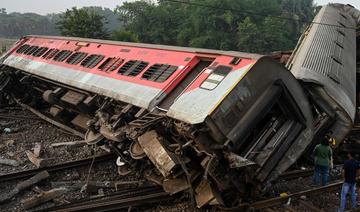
(43, 197)
(7, 130)
(9, 162)
(9, 142)
(38, 162)
(37, 150)
(72, 143)
(11, 154)
(23, 185)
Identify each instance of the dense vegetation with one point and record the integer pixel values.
(15, 25)
(86, 23)
(245, 25)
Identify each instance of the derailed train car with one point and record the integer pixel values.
(215, 123)
(325, 62)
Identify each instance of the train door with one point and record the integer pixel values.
(184, 83)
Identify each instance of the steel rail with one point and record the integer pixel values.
(296, 174)
(19, 117)
(119, 200)
(281, 200)
(55, 168)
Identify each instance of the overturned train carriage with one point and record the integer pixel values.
(219, 121)
(325, 63)
(215, 123)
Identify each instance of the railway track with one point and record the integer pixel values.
(19, 117)
(277, 201)
(120, 200)
(296, 174)
(56, 167)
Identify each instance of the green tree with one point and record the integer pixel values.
(124, 35)
(82, 22)
(246, 25)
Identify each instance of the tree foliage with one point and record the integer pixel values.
(246, 25)
(83, 22)
(13, 25)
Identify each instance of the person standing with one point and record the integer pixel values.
(351, 166)
(323, 159)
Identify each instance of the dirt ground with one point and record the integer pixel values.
(19, 135)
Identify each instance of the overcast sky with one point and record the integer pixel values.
(53, 6)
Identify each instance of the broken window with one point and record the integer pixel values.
(92, 60)
(132, 67)
(76, 58)
(110, 64)
(31, 50)
(50, 54)
(159, 72)
(40, 51)
(62, 55)
(22, 49)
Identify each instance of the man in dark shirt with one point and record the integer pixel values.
(349, 173)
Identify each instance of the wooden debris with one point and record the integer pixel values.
(9, 162)
(37, 149)
(23, 185)
(72, 144)
(38, 162)
(43, 197)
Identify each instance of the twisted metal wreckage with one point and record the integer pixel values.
(219, 124)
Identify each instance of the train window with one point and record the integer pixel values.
(341, 32)
(62, 55)
(28, 49)
(337, 60)
(40, 51)
(22, 48)
(110, 64)
(343, 15)
(50, 54)
(132, 68)
(159, 72)
(215, 77)
(235, 61)
(92, 60)
(76, 58)
(341, 24)
(339, 44)
(31, 50)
